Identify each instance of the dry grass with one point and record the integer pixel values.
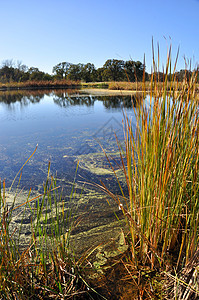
(40, 84)
(148, 86)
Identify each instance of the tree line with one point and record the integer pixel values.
(11, 71)
(112, 70)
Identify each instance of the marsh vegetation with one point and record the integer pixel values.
(152, 190)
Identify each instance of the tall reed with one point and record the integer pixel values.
(160, 164)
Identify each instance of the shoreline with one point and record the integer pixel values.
(92, 91)
(34, 88)
(107, 92)
(97, 91)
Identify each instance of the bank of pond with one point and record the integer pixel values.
(100, 198)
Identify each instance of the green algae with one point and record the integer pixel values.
(97, 163)
(112, 249)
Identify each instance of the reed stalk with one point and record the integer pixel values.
(160, 164)
(46, 267)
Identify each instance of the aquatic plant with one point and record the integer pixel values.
(160, 164)
(45, 266)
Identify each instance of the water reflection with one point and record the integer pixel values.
(66, 98)
(67, 125)
(9, 97)
(31, 96)
(69, 128)
(65, 101)
(115, 102)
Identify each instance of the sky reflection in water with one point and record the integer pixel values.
(65, 126)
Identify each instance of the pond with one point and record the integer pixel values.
(69, 126)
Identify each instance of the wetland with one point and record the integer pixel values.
(70, 127)
(80, 182)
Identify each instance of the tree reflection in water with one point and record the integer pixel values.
(66, 98)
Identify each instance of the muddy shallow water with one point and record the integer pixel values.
(69, 127)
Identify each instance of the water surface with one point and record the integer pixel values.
(65, 126)
(68, 126)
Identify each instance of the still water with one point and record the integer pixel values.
(68, 127)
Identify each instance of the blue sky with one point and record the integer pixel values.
(42, 33)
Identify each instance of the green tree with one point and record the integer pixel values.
(6, 74)
(134, 70)
(75, 72)
(37, 75)
(88, 72)
(139, 70)
(99, 74)
(61, 70)
(7, 71)
(129, 68)
(20, 72)
(113, 70)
